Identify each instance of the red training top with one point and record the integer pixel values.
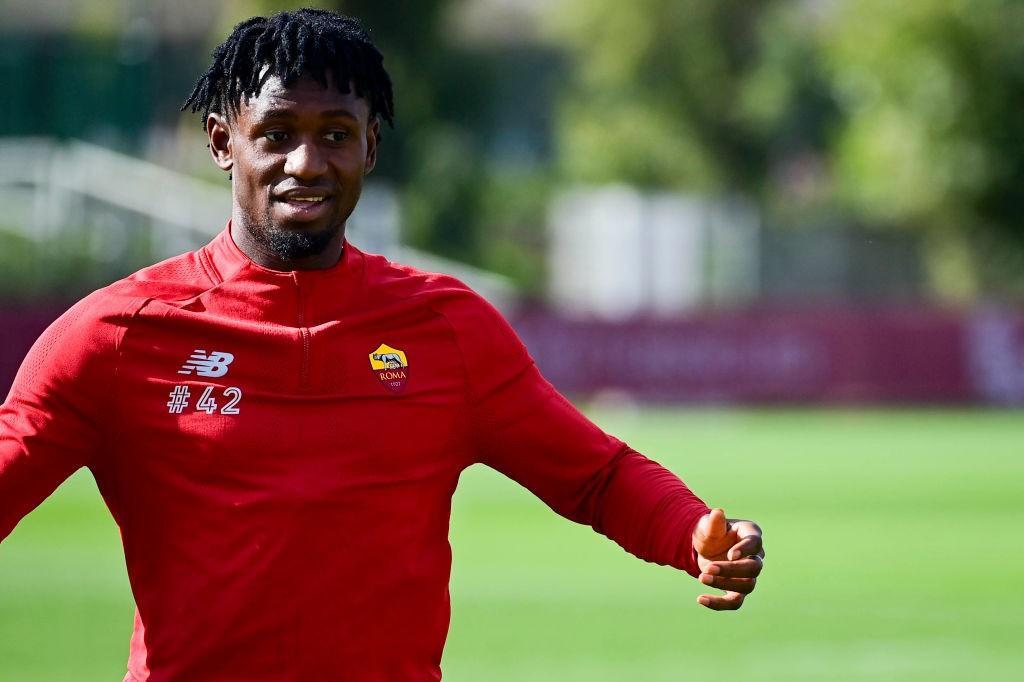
(280, 449)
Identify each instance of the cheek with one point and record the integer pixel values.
(256, 174)
(352, 165)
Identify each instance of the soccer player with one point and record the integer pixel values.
(278, 421)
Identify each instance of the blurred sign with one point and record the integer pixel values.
(761, 356)
(996, 356)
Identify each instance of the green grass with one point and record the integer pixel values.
(894, 553)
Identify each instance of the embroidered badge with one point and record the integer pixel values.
(391, 367)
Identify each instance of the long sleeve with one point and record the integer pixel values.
(524, 428)
(50, 423)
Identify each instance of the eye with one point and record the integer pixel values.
(275, 135)
(336, 136)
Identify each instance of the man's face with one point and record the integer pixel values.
(297, 157)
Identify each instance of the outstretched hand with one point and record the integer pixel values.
(730, 556)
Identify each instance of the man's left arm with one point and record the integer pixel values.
(527, 430)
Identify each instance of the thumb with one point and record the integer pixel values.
(712, 526)
(713, 537)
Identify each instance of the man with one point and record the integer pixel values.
(278, 421)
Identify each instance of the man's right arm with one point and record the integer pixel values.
(50, 423)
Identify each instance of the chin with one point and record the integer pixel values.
(293, 244)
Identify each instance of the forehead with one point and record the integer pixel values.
(303, 97)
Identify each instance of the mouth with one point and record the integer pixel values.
(303, 205)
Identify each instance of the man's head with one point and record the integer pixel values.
(292, 105)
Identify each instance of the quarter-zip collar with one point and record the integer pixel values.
(299, 298)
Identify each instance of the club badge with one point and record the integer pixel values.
(391, 367)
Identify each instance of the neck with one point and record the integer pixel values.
(261, 254)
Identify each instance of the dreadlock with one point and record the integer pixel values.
(289, 45)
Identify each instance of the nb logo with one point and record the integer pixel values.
(213, 365)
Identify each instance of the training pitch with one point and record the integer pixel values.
(894, 553)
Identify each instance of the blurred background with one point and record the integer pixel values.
(708, 220)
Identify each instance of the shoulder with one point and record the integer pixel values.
(176, 278)
(402, 281)
(446, 295)
(96, 322)
(486, 341)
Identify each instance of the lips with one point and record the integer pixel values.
(303, 204)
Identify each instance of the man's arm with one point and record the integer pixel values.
(49, 423)
(536, 437)
(524, 428)
(532, 434)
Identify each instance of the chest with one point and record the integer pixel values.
(259, 409)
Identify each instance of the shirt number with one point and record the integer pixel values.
(180, 396)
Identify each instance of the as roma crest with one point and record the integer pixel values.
(391, 366)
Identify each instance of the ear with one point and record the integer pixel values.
(372, 139)
(219, 132)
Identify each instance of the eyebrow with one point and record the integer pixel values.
(290, 115)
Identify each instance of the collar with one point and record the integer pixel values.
(317, 296)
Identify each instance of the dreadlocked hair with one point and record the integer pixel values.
(289, 45)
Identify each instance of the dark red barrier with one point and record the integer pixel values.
(19, 327)
(771, 356)
(748, 357)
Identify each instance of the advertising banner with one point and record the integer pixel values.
(835, 355)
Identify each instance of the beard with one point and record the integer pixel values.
(294, 244)
(288, 245)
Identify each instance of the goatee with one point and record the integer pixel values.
(288, 245)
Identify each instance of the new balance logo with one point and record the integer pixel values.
(213, 365)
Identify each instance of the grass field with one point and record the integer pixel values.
(895, 552)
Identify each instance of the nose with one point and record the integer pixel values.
(305, 161)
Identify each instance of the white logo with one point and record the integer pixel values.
(213, 365)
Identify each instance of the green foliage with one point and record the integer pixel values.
(665, 93)
(513, 210)
(458, 206)
(902, 114)
(442, 194)
(58, 270)
(932, 94)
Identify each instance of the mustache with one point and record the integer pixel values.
(296, 191)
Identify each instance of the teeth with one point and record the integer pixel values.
(314, 200)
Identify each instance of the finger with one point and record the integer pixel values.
(745, 527)
(712, 537)
(747, 546)
(741, 585)
(713, 524)
(749, 567)
(730, 602)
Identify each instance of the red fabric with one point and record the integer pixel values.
(306, 536)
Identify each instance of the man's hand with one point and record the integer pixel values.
(730, 556)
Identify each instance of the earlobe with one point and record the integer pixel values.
(372, 139)
(219, 134)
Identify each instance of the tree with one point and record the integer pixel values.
(895, 114)
(681, 93)
(932, 94)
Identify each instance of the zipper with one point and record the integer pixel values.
(304, 374)
(304, 333)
